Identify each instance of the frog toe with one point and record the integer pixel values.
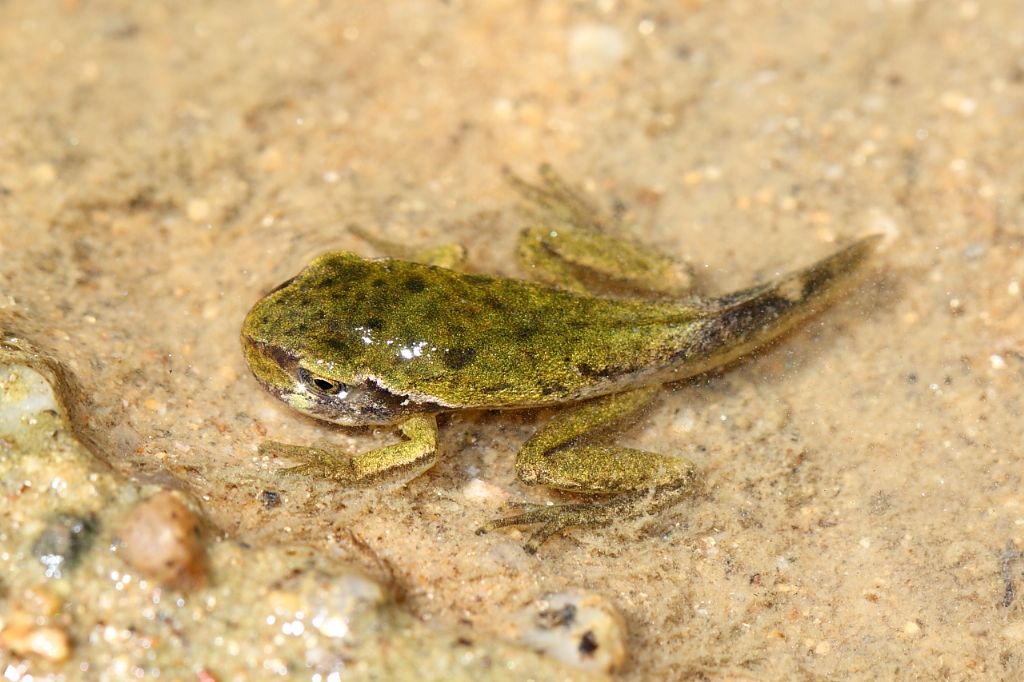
(529, 514)
(306, 470)
(552, 519)
(315, 462)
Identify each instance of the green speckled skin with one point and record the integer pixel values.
(464, 341)
(357, 342)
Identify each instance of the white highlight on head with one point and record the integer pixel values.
(413, 351)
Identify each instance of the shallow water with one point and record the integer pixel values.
(160, 169)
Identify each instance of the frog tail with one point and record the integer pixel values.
(737, 323)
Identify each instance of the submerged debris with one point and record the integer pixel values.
(581, 628)
(160, 538)
(26, 629)
(273, 611)
(60, 545)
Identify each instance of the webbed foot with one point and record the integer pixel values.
(404, 460)
(327, 464)
(554, 518)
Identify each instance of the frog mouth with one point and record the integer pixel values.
(272, 366)
(367, 400)
(366, 403)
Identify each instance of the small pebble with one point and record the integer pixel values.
(47, 642)
(39, 602)
(581, 629)
(479, 491)
(974, 251)
(198, 210)
(961, 104)
(43, 173)
(160, 538)
(595, 47)
(270, 499)
(1013, 632)
(60, 545)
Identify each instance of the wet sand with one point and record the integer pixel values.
(862, 514)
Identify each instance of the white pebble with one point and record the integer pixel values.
(482, 492)
(582, 629)
(198, 209)
(595, 47)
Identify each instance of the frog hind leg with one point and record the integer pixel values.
(400, 462)
(567, 454)
(570, 244)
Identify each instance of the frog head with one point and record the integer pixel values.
(322, 394)
(290, 342)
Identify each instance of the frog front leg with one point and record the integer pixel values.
(566, 454)
(402, 461)
(442, 255)
(570, 243)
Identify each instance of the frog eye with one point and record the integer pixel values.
(320, 384)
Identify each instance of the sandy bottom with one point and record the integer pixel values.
(863, 515)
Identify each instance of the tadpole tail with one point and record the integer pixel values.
(739, 322)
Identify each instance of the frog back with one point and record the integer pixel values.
(457, 340)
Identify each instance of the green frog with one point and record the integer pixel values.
(361, 342)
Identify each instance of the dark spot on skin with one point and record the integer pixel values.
(592, 372)
(738, 324)
(495, 303)
(548, 389)
(430, 308)
(415, 284)
(375, 324)
(745, 320)
(815, 281)
(525, 332)
(280, 356)
(588, 644)
(463, 641)
(337, 345)
(457, 358)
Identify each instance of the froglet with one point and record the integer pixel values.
(392, 341)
